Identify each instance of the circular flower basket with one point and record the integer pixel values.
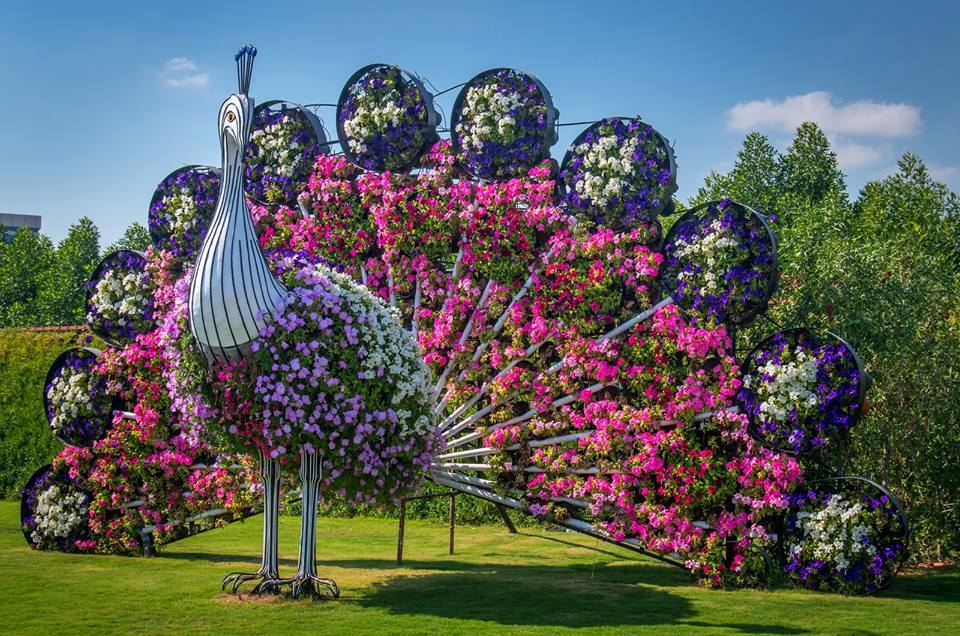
(182, 207)
(79, 409)
(802, 392)
(285, 139)
(619, 171)
(847, 534)
(53, 512)
(119, 303)
(503, 124)
(721, 262)
(386, 119)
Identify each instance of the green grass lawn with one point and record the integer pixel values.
(536, 582)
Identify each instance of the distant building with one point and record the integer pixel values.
(13, 222)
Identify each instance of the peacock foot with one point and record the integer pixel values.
(236, 579)
(302, 584)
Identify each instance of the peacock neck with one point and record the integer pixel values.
(233, 291)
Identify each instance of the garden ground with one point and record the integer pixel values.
(535, 582)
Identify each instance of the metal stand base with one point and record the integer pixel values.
(306, 580)
(269, 563)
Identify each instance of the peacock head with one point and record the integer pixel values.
(236, 113)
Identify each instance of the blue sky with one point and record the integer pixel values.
(102, 100)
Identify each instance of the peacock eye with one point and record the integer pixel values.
(231, 116)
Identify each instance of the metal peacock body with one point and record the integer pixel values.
(233, 293)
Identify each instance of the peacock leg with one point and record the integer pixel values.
(306, 580)
(269, 563)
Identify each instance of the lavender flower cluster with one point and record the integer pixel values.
(721, 262)
(54, 512)
(77, 402)
(800, 394)
(384, 121)
(119, 302)
(336, 373)
(619, 172)
(501, 125)
(850, 538)
(181, 209)
(279, 157)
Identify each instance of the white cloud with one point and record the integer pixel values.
(179, 65)
(181, 72)
(851, 155)
(864, 117)
(188, 81)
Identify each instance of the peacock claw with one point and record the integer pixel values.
(237, 579)
(301, 584)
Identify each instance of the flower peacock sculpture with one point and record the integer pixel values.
(466, 311)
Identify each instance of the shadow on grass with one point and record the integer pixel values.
(544, 596)
(628, 593)
(941, 585)
(528, 595)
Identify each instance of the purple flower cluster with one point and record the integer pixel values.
(181, 209)
(837, 391)
(279, 157)
(872, 553)
(91, 422)
(115, 324)
(500, 125)
(619, 171)
(384, 121)
(721, 262)
(45, 478)
(320, 380)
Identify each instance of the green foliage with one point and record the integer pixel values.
(25, 263)
(136, 237)
(26, 442)
(41, 285)
(882, 273)
(63, 293)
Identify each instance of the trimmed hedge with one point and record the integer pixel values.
(26, 442)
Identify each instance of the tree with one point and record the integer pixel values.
(754, 180)
(809, 169)
(136, 237)
(25, 262)
(62, 299)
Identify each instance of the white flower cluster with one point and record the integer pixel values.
(120, 296)
(389, 347)
(709, 252)
(833, 534)
(279, 154)
(58, 512)
(793, 386)
(372, 117)
(486, 110)
(607, 168)
(69, 397)
(183, 212)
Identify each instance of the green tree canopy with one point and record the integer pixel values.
(63, 293)
(136, 237)
(25, 263)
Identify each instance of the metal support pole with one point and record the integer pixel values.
(506, 518)
(403, 517)
(146, 539)
(453, 517)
